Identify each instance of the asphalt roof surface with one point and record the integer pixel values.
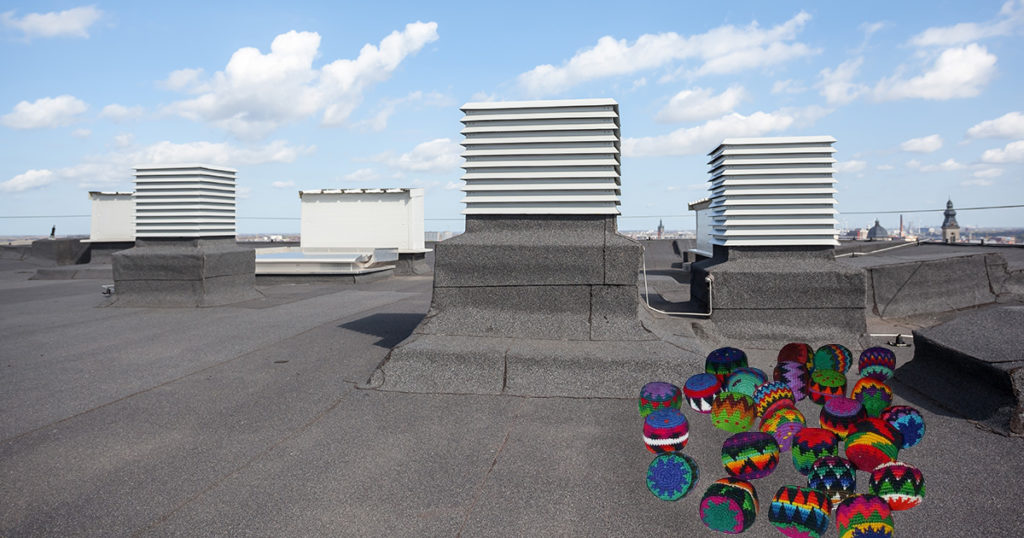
(249, 420)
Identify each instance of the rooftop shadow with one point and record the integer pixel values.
(391, 328)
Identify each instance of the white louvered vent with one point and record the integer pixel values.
(773, 192)
(190, 201)
(542, 157)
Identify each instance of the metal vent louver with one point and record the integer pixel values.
(190, 201)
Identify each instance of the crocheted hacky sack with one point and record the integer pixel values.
(877, 362)
(901, 485)
(700, 391)
(832, 357)
(795, 375)
(745, 380)
(834, 476)
(783, 423)
(666, 431)
(839, 414)
(826, 384)
(733, 412)
(810, 444)
(671, 476)
(874, 394)
(800, 512)
(729, 505)
(722, 361)
(908, 421)
(864, 516)
(872, 442)
(750, 455)
(659, 395)
(796, 352)
(773, 394)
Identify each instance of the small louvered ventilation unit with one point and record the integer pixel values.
(773, 192)
(188, 201)
(542, 157)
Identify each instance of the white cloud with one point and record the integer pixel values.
(256, 92)
(722, 50)
(379, 121)
(1009, 125)
(363, 175)
(870, 28)
(703, 138)
(850, 166)
(1011, 153)
(958, 72)
(119, 113)
(124, 140)
(283, 184)
(81, 133)
(45, 112)
(837, 84)
(988, 173)
(32, 179)
(69, 23)
(885, 167)
(438, 156)
(184, 80)
(452, 186)
(1010, 18)
(980, 182)
(788, 86)
(925, 144)
(699, 104)
(945, 166)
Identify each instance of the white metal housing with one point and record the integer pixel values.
(113, 217)
(773, 192)
(187, 200)
(542, 157)
(362, 218)
(704, 227)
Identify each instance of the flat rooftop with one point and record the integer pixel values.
(253, 419)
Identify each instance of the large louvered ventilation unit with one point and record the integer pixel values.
(186, 201)
(542, 157)
(773, 192)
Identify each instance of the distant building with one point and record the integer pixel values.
(661, 228)
(878, 233)
(950, 228)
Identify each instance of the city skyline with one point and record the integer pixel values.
(923, 99)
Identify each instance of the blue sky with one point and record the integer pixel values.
(924, 97)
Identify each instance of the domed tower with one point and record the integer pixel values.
(950, 229)
(878, 233)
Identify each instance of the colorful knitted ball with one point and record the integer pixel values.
(864, 516)
(832, 357)
(796, 352)
(773, 394)
(795, 375)
(826, 384)
(671, 476)
(659, 395)
(733, 412)
(833, 476)
(874, 394)
(745, 380)
(722, 361)
(783, 423)
(800, 512)
(729, 505)
(901, 485)
(666, 431)
(700, 391)
(810, 444)
(750, 455)
(872, 442)
(877, 362)
(839, 414)
(908, 421)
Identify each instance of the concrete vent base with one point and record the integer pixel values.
(184, 273)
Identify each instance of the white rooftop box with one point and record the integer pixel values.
(362, 218)
(113, 217)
